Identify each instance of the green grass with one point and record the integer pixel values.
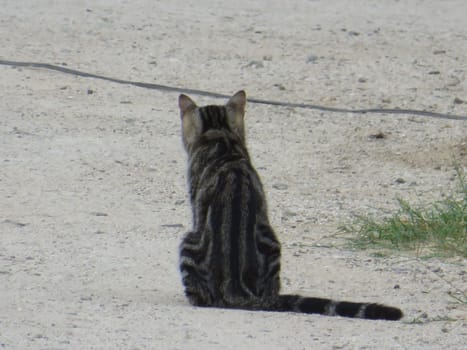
(435, 229)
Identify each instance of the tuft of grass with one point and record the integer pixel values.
(440, 228)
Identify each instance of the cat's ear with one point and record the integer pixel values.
(237, 103)
(190, 120)
(236, 112)
(186, 104)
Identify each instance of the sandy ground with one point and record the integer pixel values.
(93, 197)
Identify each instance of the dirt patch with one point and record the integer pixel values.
(92, 174)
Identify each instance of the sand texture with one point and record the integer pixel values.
(93, 195)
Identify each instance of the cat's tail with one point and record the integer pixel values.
(329, 307)
(309, 305)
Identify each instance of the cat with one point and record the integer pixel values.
(231, 258)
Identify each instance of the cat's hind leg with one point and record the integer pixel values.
(270, 250)
(193, 275)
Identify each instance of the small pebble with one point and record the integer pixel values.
(280, 186)
(173, 225)
(453, 81)
(97, 213)
(379, 135)
(280, 87)
(312, 59)
(15, 223)
(255, 64)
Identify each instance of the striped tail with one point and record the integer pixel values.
(308, 305)
(296, 303)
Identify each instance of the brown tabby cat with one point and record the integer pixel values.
(231, 258)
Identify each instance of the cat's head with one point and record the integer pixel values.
(199, 120)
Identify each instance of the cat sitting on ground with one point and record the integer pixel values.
(231, 258)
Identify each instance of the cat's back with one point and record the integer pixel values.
(230, 178)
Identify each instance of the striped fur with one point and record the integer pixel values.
(231, 259)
